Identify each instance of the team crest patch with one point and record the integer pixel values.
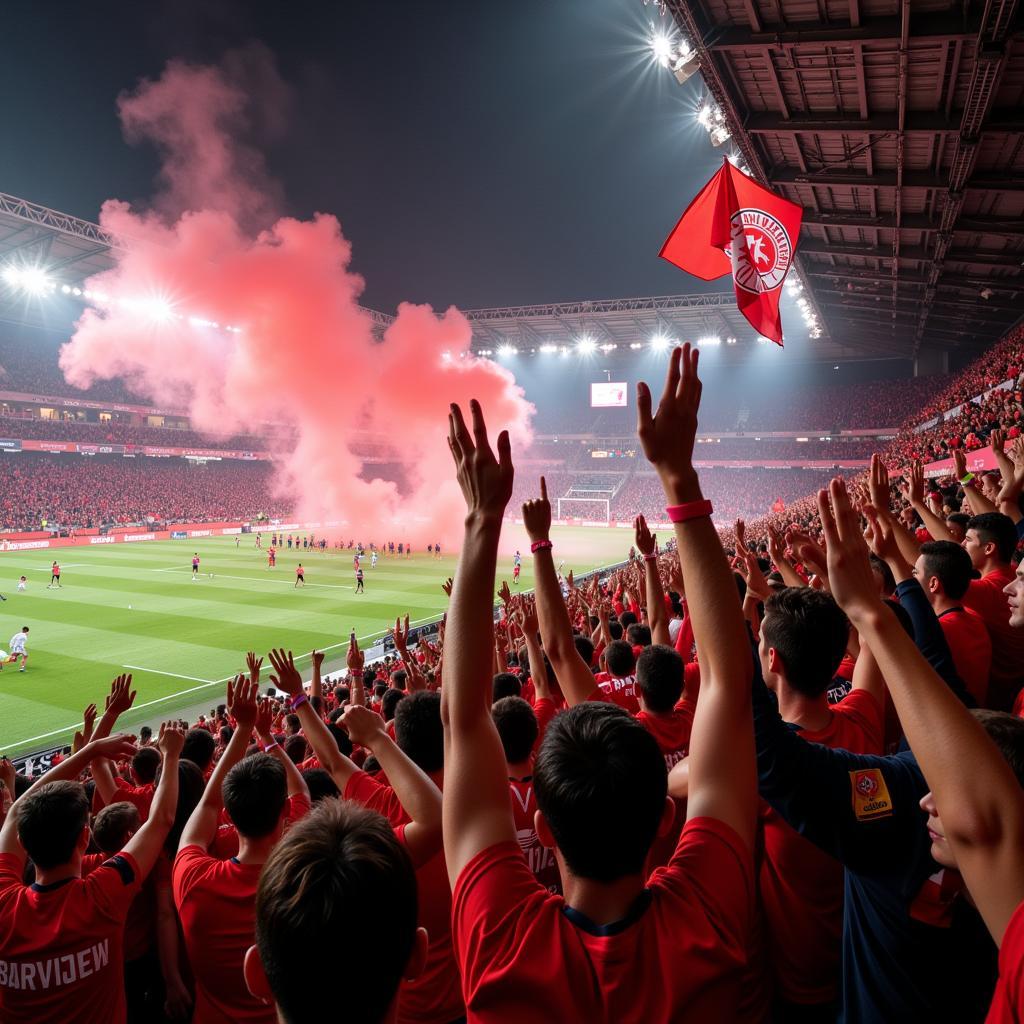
(764, 253)
(870, 795)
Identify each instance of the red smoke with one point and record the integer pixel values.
(305, 359)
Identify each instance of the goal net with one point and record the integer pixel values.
(597, 510)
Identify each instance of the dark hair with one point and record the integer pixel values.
(881, 568)
(418, 729)
(339, 867)
(291, 721)
(639, 635)
(191, 786)
(1007, 733)
(320, 783)
(810, 632)
(254, 792)
(517, 727)
(379, 689)
(601, 784)
(198, 748)
(960, 518)
(390, 701)
(618, 656)
(659, 677)
(296, 749)
(111, 826)
(995, 528)
(226, 732)
(145, 763)
(145, 733)
(584, 648)
(341, 694)
(950, 564)
(627, 619)
(399, 679)
(50, 822)
(341, 738)
(505, 684)
(615, 629)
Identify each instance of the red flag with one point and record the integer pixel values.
(737, 226)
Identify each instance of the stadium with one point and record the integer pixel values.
(223, 413)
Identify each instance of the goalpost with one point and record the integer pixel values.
(603, 503)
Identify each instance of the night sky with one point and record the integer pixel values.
(476, 153)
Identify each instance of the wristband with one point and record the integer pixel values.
(297, 701)
(540, 545)
(652, 557)
(270, 746)
(966, 479)
(689, 510)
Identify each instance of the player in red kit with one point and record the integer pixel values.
(271, 558)
(300, 576)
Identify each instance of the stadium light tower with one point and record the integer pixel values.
(659, 343)
(586, 346)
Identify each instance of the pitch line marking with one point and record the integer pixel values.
(206, 682)
(253, 579)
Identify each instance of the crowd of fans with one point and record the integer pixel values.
(74, 491)
(33, 428)
(775, 782)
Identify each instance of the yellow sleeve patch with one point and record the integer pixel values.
(870, 794)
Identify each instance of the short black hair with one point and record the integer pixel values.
(881, 568)
(950, 564)
(191, 786)
(255, 791)
(960, 518)
(50, 822)
(659, 677)
(145, 763)
(601, 784)
(618, 656)
(505, 684)
(584, 648)
(198, 748)
(291, 721)
(399, 679)
(639, 635)
(320, 783)
(419, 732)
(390, 701)
(296, 749)
(339, 867)
(111, 826)
(341, 738)
(517, 727)
(341, 694)
(627, 619)
(615, 628)
(810, 633)
(995, 528)
(1006, 731)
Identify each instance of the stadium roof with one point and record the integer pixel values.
(901, 133)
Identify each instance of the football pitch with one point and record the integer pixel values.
(135, 608)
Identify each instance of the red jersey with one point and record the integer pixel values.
(677, 956)
(225, 842)
(216, 901)
(802, 887)
(434, 997)
(140, 925)
(299, 571)
(61, 945)
(621, 691)
(1008, 999)
(971, 647)
(540, 859)
(986, 597)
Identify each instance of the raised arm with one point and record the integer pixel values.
(573, 673)
(1013, 484)
(722, 781)
(913, 491)
(415, 790)
(657, 616)
(777, 553)
(146, 844)
(477, 812)
(982, 810)
(202, 825)
(119, 700)
(287, 679)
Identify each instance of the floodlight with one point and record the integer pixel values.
(659, 343)
(548, 349)
(585, 346)
(661, 48)
(506, 350)
(709, 341)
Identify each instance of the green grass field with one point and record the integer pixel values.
(134, 607)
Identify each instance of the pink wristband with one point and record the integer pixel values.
(297, 701)
(691, 510)
(270, 746)
(540, 545)
(652, 557)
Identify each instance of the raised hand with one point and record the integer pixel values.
(776, 546)
(285, 676)
(171, 739)
(526, 617)
(121, 696)
(447, 586)
(851, 579)
(913, 489)
(996, 441)
(537, 515)
(354, 658)
(363, 725)
(242, 702)
(667, 437)
(960, 463)
(504, 594)
(254, 665)
(318, 658)
(878, 484)
(741, 536)
(756, 582)
(880, 535)
(7, 774)
(646, 542)
(88, 721)
(264, 717)
(118, 747)
(486, 481)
